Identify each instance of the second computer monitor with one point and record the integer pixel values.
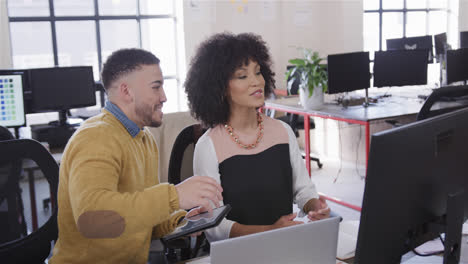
(400, 67)
(464, 39)
(456, 65)
(440, 43)
(348, 72)
(412, 43)
(62, 88)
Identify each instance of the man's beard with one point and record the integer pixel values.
(146, 113)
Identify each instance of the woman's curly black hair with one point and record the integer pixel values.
(214, 64)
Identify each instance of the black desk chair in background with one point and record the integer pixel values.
(443, 94)
(35, 247)
(180, 168)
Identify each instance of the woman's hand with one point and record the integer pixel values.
(286, 220)
(320, 209)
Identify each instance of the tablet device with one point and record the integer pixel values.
(199, 222)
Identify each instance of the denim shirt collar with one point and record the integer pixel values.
(131, 126)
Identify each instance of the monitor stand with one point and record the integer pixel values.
(451, 224)
(56, 133)
(367, 103)
(453, 227)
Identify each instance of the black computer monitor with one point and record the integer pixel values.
(62, 88)
(400, 67)
(440, 43)
(348, 72)
(12, 83)
(464, 39)
(412, 43)
(456, 65)
(412, 172)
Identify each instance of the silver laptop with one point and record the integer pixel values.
(313, 242)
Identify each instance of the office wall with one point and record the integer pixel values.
(5, 46)
(327, 26)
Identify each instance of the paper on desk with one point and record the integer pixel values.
(347, 239)
(465, 228)
(430, 247)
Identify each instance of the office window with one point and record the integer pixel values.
(116, 34)
(76, 44)
(31, 50)
(45, 33)
(402, 18)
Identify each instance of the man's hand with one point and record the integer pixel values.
(199, 191)
(193, 212)
(319, 210)
(286, 220)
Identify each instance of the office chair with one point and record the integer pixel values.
(188, 137)
(296, 122)
(12, 222)
(444, 94)
(35, 247)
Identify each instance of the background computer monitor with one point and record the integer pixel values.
(348, 72)
(456, 65)
(464, 39)
(411, 171)
(412, 43)
(400, 67)
(440, 43)
(62, 88)
(12, 83)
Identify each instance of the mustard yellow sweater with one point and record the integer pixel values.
(109, 197)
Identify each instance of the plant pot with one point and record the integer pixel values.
(315, 102)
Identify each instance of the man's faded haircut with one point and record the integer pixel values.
(125, 61)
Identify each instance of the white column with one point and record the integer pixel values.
(5, 47)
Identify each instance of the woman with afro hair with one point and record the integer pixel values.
(255, 158)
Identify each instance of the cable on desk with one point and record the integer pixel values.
(341, 153)
(357, 153)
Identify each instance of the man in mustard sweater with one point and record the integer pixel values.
(110, 200)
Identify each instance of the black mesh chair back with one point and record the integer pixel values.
(12, 222)
(184, 144)
(455, 96)
(188, 137)
(35, 247)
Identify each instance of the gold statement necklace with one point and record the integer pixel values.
(235, 138)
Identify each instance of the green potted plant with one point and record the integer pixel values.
(313, 78)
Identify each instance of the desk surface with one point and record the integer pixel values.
(403, 102)
(388, 107)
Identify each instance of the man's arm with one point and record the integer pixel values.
(169, 225)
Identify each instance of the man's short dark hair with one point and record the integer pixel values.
(125, 61)
(213, 66)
